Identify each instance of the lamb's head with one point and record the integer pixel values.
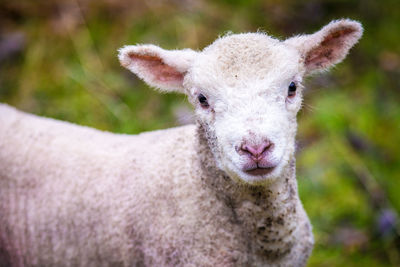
(246, 90)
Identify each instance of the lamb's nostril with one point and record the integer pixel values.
(256, 151)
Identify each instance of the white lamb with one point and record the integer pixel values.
(222, 192)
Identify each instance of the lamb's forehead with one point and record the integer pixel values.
(239, 58)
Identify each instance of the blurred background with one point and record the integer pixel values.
(58, 59)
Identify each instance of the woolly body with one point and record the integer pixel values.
(91, 205)
(220, 193)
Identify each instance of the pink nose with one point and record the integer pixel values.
(258, 151)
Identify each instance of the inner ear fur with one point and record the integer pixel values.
(161, 71)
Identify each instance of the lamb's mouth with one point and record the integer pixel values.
(259, 171)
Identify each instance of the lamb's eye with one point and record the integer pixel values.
(203, 101)
(292, 89)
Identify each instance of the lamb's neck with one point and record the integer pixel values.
(268, 214)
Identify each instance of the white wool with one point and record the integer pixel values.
(71, 195)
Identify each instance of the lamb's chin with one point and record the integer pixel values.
(261, 178)
(258, 177)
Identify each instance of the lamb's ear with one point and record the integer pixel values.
(327, 46)
(159, 68)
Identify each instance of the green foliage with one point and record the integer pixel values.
(65, 67)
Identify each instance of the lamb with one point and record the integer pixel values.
(222, 192)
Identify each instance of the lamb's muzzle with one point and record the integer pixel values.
(257, 151)
(258, 160)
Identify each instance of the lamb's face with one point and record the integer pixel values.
(247, 91)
